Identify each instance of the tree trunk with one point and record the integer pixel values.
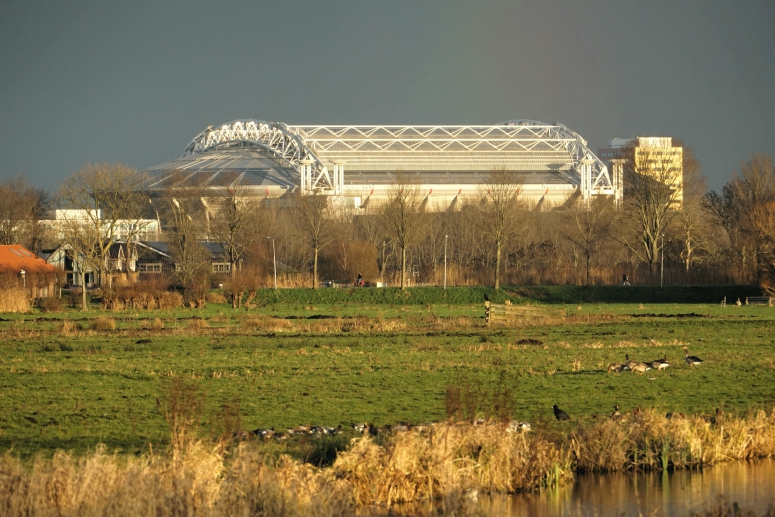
(497, 264)
(403, 268)
(587, 257)
(315, 270)
(83, 290)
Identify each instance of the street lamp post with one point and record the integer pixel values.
(662, 268)
(274, 262)
(445, 261)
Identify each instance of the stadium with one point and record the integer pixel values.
(360, 163)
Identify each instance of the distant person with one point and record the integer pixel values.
(625, 280)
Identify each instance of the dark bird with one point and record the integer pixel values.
(659, 364)
(691, 360)
(616, 416)
(486, 298)
(559, 414)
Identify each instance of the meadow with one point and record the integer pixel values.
(72, 380)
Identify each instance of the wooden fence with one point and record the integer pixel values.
(495, 312)
(759, 300)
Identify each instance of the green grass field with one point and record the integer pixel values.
(347, 362)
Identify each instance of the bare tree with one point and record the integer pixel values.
(21, 210)
(403, 216)
(653, 193)
(588, 227)
(238, 220)
(187, 226)
(690, 225)
(311, 213)
(98, 204)
(498, 214)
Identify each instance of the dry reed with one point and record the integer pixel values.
(67, 327)
(14, 299)
(443, 462)
(650, 441)
(103, 324)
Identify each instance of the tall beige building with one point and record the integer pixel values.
(653, 156)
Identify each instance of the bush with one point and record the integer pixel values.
(75, 298)
(51, 304)
(150, 294)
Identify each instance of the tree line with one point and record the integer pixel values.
(668, 226)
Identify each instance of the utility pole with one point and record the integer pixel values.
(662, 272)
(274, 261)
(445, 261)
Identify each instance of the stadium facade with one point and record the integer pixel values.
(361, 163)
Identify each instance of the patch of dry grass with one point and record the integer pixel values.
(103, 324)
(14, 299)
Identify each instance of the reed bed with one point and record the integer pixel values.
(14, 299)
(448, 462)
(650, 441)
(451, 458)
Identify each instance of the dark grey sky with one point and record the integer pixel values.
(94, 81)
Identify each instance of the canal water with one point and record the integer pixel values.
(679, 494)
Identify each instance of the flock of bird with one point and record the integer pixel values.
(364, 428)
(368, 429)
(616, 416)
(656, 364)
(637, 366)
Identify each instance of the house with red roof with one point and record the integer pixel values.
(20, 264)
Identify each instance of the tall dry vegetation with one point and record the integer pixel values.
(14, 299)
(442, 462)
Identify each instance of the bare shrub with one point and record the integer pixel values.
(150, 294)
(51, 304)
(103, 324)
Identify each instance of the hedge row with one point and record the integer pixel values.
(474, 295)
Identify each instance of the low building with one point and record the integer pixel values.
(33, 273)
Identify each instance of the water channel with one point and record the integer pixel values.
(679, 494)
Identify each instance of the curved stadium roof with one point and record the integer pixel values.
(271, 157)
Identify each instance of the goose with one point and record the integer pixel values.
(629, 363)
(640, 367)
(517, 426)
(659, 364)
(616, 416)
(559, 414)
(616, 367)
(691, 360)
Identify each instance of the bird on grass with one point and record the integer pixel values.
(616, 367)
(629, 363)
(616, 416)
(559, 414)
(691, 360)
(659, 364)
(640, 368)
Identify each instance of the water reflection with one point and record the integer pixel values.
(752, 485)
